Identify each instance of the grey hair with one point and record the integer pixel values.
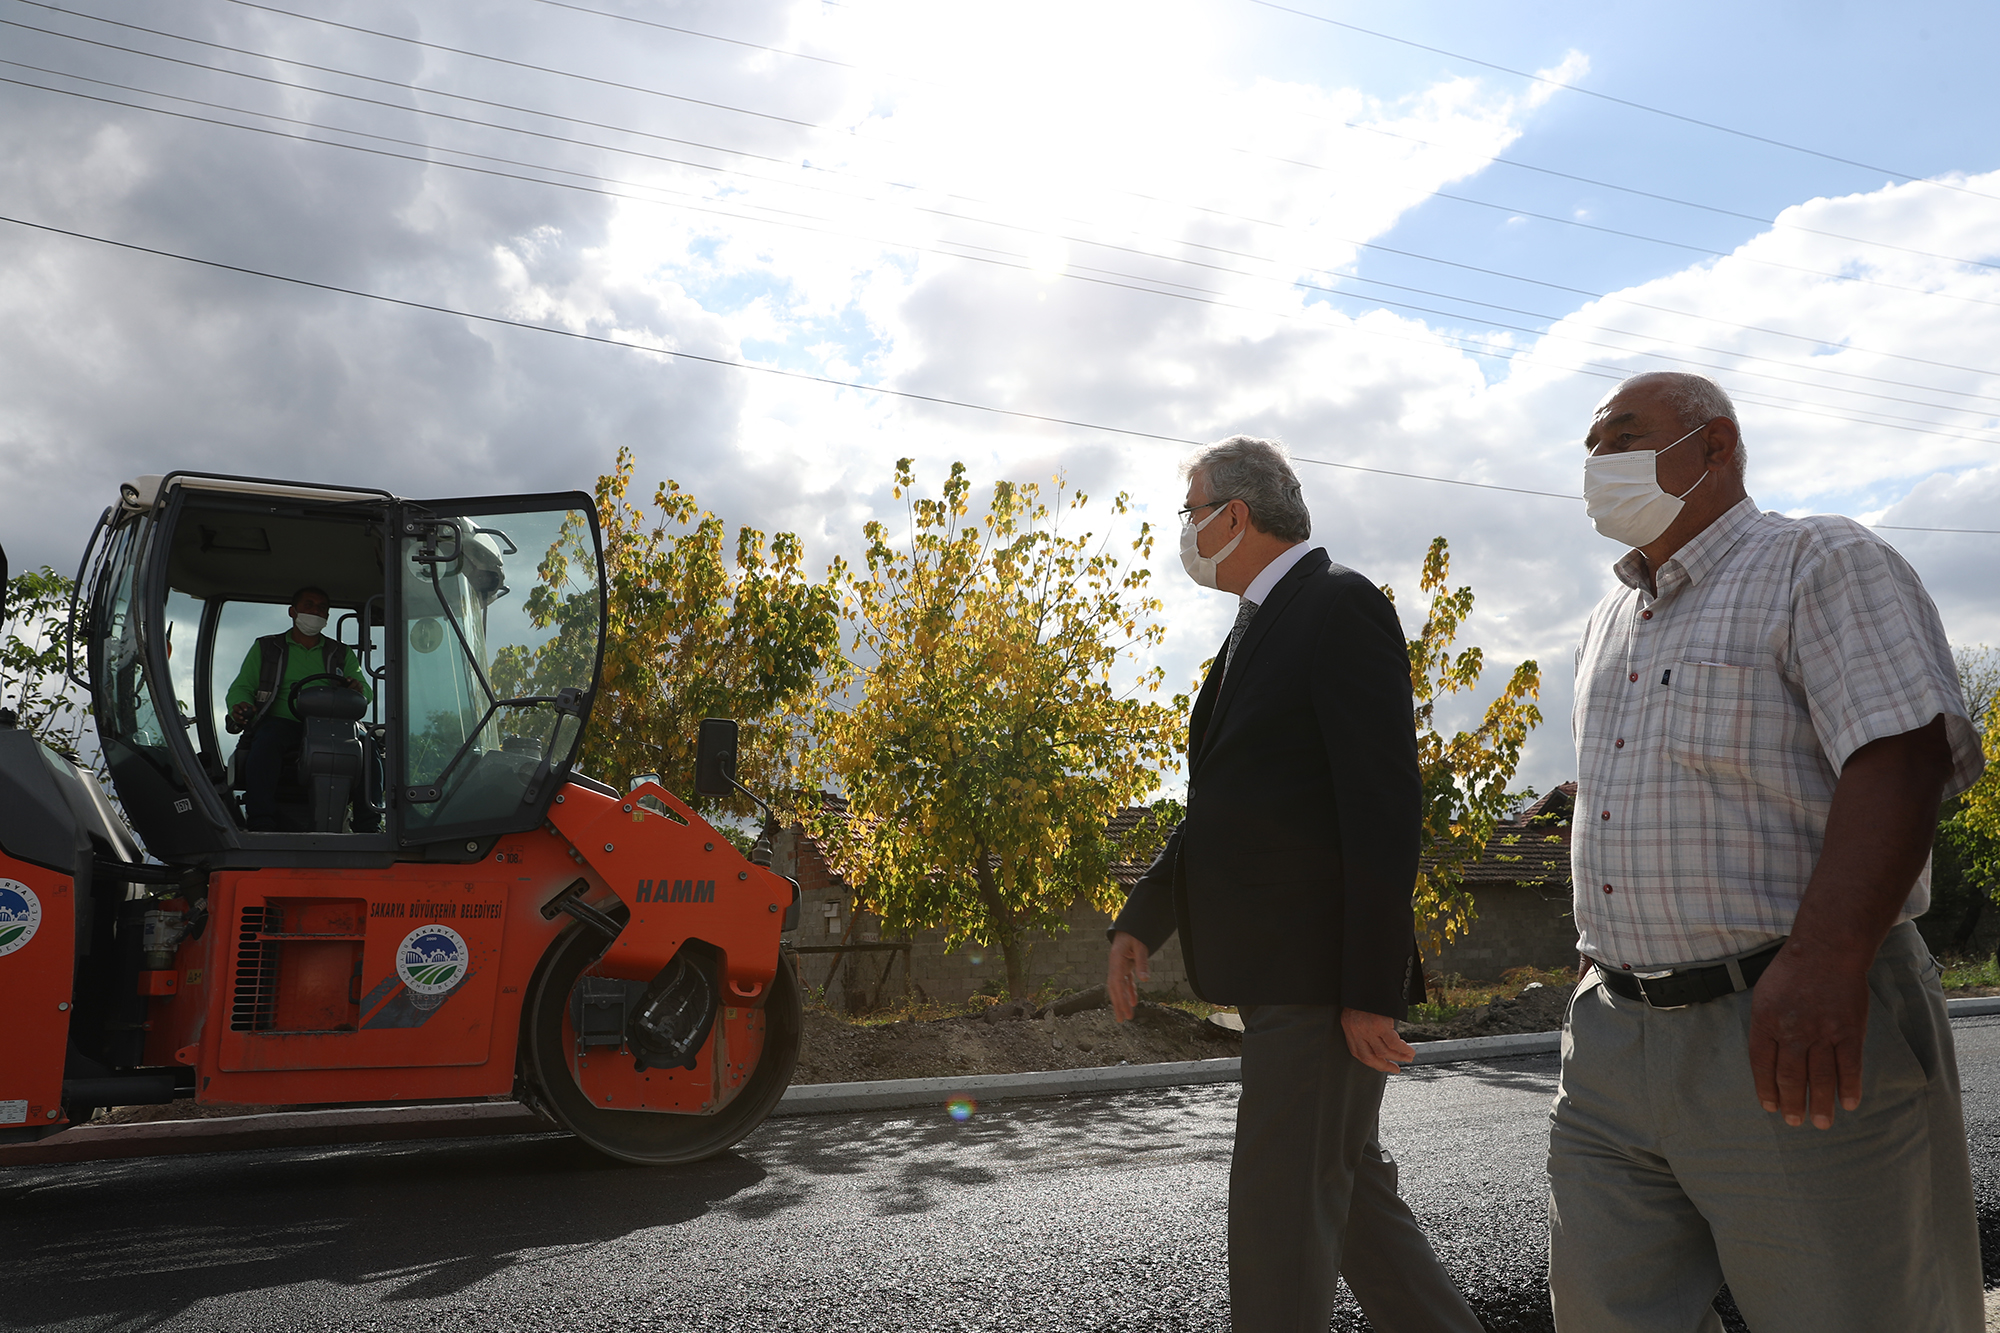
(1694, 399)
(1256, 472)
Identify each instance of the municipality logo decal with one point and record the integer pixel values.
(20, 915)
(432, 959)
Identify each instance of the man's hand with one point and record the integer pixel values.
(1807, 1022)
(1809, 1012)
(240, 714)
(1127, 969)
(1372, 1039)
(351, 683)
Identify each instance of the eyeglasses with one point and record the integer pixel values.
(1187, 514)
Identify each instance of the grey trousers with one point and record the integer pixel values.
(1312, 1195)
(1666, 1177)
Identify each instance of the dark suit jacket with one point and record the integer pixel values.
(1290, 878)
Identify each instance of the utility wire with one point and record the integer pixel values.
(1349, 124)
(1107, 277)
(515, 64)
(946, 213)
(1287, 282)
(1008, 259)
(1607, 97)
(1834, 276)
(935, 399)
(696, 32)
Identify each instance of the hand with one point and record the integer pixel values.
(1121, 979)
(240, 714)
(1372, 1039)
(1807, 1021)
(351, 683)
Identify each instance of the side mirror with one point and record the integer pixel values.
(715, 757)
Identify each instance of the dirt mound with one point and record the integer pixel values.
(1007, 1039)
(1537, 1008)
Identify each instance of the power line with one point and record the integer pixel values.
(722, 106)
(696, 32)
(516, 64)
(945, 213)
(1607, 97)
(935, 399)
(1107, 277)
(1773, 223)
(1834, 276)
(1349, 124)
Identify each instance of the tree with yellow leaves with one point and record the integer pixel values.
(688, 634)
(1970, 830)
(1465, 775)
(979, 730)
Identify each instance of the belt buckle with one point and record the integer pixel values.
(1643, 977)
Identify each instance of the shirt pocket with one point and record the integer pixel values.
(1726, 721)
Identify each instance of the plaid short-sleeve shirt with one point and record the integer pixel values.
(1712, 720)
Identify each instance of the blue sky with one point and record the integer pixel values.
(1107, 212)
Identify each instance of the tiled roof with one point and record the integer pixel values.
(1533, 859)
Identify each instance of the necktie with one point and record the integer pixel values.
(1245, 611)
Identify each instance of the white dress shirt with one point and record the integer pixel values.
(1267, 578)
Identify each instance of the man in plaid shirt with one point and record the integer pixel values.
(1766, 720)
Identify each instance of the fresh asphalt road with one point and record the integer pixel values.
(1095, 1213)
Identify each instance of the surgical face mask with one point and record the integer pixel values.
(1623, 496)
(308, 625)
(1199, 567)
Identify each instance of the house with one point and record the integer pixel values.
(1520, 887)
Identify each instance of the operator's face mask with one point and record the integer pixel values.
(1623, 496)
(1199, 567)
(308, 625)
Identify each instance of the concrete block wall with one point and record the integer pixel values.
(1517, 926)
(1069, 960)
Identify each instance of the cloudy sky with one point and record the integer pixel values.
(1416, 239)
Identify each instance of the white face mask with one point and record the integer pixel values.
(1623, 496)
(1199, 567)
(308, 625)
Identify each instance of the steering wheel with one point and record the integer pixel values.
(334, 677)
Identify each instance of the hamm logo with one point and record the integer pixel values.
(680, 891)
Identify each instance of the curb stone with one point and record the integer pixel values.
(365, 1124)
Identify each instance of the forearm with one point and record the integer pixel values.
(1878, 833)
(1148, 914)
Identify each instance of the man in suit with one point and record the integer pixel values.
(1289, 881)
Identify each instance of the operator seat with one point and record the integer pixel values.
(333, 756)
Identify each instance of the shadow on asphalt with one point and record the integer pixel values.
(918, 1157)
(139, 1242)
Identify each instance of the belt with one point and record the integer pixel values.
(1679, 987)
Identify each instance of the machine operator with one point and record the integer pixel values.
(260, 700)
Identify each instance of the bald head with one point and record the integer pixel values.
(1690, 400)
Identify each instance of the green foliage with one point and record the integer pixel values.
(1970, 833)
(1980, 973)
(31, 660)
(689, 633)
(1466, 775)
(976, 731)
